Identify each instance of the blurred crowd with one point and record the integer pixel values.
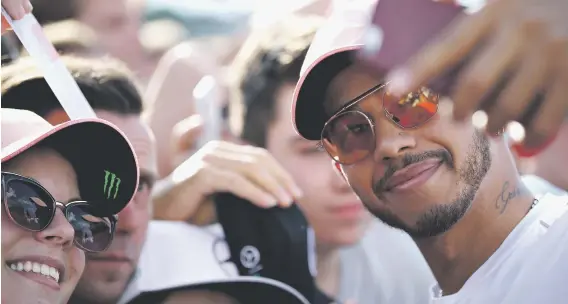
(197, 183)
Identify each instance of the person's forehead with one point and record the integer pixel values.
(139, 135)
(347, 85)
(283, 119)
(103, 7)
(283, 102)
(34, 156)
(49, 168)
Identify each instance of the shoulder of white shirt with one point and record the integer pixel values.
(539, 186)
(177, 252)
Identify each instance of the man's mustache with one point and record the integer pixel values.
(407, 160)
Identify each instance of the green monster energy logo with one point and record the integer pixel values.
(111, 183)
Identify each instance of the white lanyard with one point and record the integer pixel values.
(54, 71)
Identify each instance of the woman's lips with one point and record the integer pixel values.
(38, 278)
(413, 176)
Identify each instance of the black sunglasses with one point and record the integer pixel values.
(30, 206)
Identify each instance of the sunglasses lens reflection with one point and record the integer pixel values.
(28, 205)
(92, 233)
(413, 110)
(349, 136)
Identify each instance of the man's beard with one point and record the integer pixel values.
(441, 218)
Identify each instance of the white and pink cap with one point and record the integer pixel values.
(331, 51)
(103, 159)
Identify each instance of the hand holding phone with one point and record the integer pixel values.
(510, 59)
(400, 28)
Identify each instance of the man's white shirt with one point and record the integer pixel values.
(539, 186)
(530, 267)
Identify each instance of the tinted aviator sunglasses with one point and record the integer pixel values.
(30, 206)
(349, 135)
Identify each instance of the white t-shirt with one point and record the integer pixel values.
(177, 252)
(539, 186)
(385, 267)
(530, 267)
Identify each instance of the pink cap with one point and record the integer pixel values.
(330, 52)
(103, 159)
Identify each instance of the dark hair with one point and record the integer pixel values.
(10, 48)
(268, 59)
(106, 83)
(70, 37)
(55, 10)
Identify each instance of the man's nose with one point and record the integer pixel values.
(391, 141)
(130, 216)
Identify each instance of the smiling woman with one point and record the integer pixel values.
(45, 226)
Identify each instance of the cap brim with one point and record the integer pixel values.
(246, 290)
(103, 159)
(308, 108)
(168, 265)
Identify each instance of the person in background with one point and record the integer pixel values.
(54, 208)
(10, 48)
(126, 272)
(72, 37)
(170, 99)
(357, 258)
(115, 22)
(187, 183)
(159, 36)
(111, 90)
(169, 95)
(269, 12)
(47, 12)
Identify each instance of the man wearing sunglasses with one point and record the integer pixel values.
(60, 195)
(358, 258)
(453, 188)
